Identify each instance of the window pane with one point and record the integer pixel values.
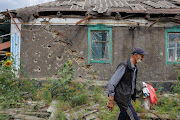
(171, 54)
(100, 51)
(95, 53)
(99, 36)
(99, 45)
(174, 46)
(178, 54)
(174, 37)
(171, 45)
(178, 51)
(105, 51)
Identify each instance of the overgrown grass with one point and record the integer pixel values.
(169, 104)
(12, 88)
(5, 117)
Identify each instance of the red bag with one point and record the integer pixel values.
(153, 98)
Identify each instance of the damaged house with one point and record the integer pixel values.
(97, 35)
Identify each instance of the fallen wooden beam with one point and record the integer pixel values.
(14, 22)
(5, 45)
(86, 18)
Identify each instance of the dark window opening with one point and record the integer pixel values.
(4, 37)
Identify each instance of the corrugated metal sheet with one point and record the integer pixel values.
(120, 4)
(76, 7)
(71, 2)
(140, 7)
(86, 4)
(101, 6)
(125, 3)
(102, 10)
(169, 4)
(152, 4)
(114, 3)
(137, 7)
(93, 3)
(79, 3)
(176, 2)
(65, 3)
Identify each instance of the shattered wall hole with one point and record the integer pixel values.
(59, 57)
(87, 66)
(79, 60)
(33, 39)
(55, 42)
(71, 52)
(35, 61)
(49, 56)
(62, 43)
(37, 70)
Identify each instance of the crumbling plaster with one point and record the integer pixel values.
(42, 60)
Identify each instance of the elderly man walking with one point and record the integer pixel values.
(122, 85)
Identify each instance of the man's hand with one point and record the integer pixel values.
(111, 102)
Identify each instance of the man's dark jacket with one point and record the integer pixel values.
(123, 89)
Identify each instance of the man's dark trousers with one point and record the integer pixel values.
(124, 115)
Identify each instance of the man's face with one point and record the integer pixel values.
(139, 58)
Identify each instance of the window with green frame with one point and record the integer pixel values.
(99, 44)
(173, 45)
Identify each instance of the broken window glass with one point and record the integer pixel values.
(99, 44)
(174, 47)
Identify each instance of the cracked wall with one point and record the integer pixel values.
(41, 58)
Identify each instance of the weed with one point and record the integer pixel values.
(10, 92)
(4, 117)
(168, 105)
(106, 114)
(59, 116)
(137, 106)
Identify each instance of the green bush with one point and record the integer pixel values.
(59, 116)
(79, 99)
(13, 89)
(64, 88)
(137, 106)
(176, 87)
(168, 105)
(10, 92)
(4, 117)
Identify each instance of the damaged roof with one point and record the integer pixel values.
(105, 7)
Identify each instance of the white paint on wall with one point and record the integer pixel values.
(73, 21)
(15, 42)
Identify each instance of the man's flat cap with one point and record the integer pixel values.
(139, 50)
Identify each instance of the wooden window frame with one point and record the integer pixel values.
(99, 27)
(174, 29)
